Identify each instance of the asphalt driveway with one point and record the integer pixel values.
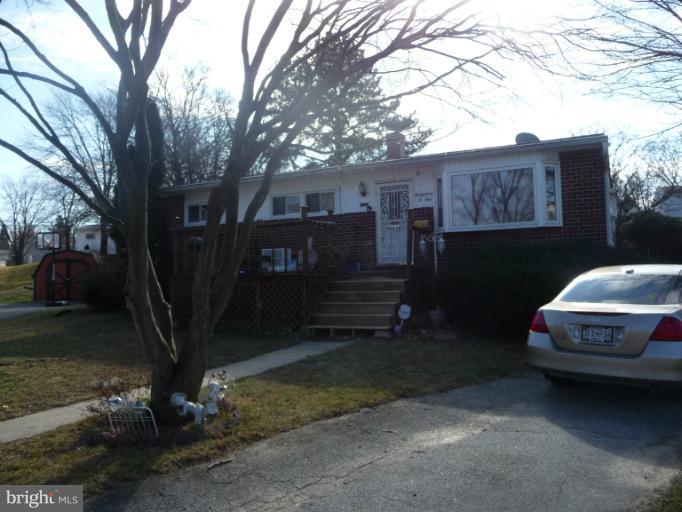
(514, 444)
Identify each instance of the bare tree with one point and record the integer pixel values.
(197, 124)
(26, 212)
(631, 47)
(87, 143)
(396, 36)
(69, 209)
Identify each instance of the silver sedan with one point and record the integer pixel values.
(613, 323)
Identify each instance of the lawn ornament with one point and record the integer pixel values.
(130, 417)
(215, 395)
(179, 401)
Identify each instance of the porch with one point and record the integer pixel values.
(318, 272)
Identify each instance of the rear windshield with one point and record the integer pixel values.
(650, 290)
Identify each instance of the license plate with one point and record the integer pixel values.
(596, 335)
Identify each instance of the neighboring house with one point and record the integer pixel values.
(532, 193)
(672, 204)
(88, 239)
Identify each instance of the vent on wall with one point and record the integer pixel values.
(526, 138)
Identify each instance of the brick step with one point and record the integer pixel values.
(373, 321)
(363, 296)
(378, 284)
(357, 308)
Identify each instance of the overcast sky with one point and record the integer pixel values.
(208, 33)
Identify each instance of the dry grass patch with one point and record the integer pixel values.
(14, 281)
(49, 360)
(366, 373)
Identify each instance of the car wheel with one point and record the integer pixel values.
(558, 381)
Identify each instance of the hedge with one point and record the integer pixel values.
(500, 288)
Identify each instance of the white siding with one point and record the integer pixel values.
(346, 183)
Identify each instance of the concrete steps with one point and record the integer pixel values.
(359, 303)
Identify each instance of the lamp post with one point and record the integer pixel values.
(437, 318)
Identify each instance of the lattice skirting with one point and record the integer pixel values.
(270, 303)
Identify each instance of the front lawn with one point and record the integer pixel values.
(365, 373)
(49, 360)
(669, 501)
(14, 283)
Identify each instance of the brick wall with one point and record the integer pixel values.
(582, 202)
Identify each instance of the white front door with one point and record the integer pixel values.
(394, 202)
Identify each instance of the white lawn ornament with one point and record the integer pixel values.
(128, 417)
(179, 400)
(215, 395)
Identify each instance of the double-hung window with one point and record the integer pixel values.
(319, 201)
(196, 213)
(290, 204)
(286, 205)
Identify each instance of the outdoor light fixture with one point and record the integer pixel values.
(438, 247)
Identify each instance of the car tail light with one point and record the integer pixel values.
(538, 323)
(668, 329)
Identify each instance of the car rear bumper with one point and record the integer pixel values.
(661, 362)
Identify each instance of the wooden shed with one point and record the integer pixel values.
(58, 273)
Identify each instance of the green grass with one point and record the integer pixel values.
(366, 373)
(670, 500)
(13, 283)
(49, 360)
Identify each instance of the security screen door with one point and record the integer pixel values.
(394, 202)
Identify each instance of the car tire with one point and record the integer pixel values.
(558, 381)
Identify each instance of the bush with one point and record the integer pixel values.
(500, 288)
(103, 289)
(659, 236)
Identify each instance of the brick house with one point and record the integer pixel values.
(362, 218)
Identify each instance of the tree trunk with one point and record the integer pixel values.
(104, 237)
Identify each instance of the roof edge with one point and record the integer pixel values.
(572, 143)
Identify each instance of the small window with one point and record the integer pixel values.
(439, 202)
(278, 260)
(320, 201)
(550, 193)
(196, 213)
(284, 205)
(89, 236)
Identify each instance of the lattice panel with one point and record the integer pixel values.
(242, 310)
(282, 304)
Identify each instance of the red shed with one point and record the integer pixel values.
(56, 277)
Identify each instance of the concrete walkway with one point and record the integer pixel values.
(34, 424)
(8, 311)
(507, 446)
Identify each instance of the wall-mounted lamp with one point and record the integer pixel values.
(438, 243)
(362, 188)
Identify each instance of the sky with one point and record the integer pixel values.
(209, 31)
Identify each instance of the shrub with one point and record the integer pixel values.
(657, 235)
(103, 289)
(500, 288)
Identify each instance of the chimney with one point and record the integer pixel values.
(395, 146)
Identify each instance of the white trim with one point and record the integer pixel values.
(559, 222)
(539, 198)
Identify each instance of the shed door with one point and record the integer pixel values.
(394, 202)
